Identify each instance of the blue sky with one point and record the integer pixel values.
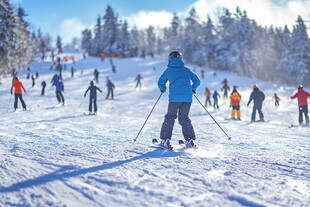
(68, 17)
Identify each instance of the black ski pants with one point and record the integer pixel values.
(138, 84)
(92, 100)
(178, 110)
(257, 107)
(43, 91)
(303, 110)
(20, 97)
(110, 91)
(60, 97)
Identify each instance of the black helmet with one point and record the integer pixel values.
(300, 87)
(175, 54)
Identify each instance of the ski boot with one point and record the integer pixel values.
(189, 143)
(166, 144)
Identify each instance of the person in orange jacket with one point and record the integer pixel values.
(18, 91)
(235, 99)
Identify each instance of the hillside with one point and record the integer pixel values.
(57, 156)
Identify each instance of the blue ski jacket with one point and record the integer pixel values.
(58, 84)
(182, 81)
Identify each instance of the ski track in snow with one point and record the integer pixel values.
(57, 156)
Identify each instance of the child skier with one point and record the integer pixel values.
(43, 84)
(180, 99)
(110, 87)
(258, 97)
(18, 91)
(208, 97)
(225, 88)
(215, 97)
(302, 96)
(92, 97)
(276, 100)
(59, 88)
(138, 79)
(235, 99)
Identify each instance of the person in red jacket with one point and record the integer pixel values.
(302, 96)
(18, 90)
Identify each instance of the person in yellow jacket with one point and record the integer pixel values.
(208, 95)
(235, 99)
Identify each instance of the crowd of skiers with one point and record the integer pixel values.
(182, 85)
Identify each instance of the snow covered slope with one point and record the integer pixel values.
(57, 156)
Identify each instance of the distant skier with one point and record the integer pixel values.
(96, 75)
(215, 97)
(276, 100)
(43, 84)
(28, 73)
(33, 80)
(235, 99)
(258, 97)
(92, 97)
(208, 97)
(72, 71)
(302, 97)
(180, 99)
(202, 74)
(18, 91)
(37, 75)
(138, 79)
(225, 88)
(59, 88)
(110, 87)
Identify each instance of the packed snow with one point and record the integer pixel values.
(57, 156)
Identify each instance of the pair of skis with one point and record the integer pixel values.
(181, 142)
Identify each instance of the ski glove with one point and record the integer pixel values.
(163, 91)
(194, 92)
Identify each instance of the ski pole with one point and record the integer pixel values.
(148, 117)
(82, 102)
(228, 137)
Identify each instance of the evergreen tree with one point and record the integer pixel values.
(96, 45)
(59, 44)
(151, 40)
(7, 25)
(109, 32)
(296, 61)
(86, 42)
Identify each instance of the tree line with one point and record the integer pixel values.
(231, 42)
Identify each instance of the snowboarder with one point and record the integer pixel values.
(258, 97)
(18, 91)
(110, 87)
(92, 97)
(208, 97)
(225, 88)
(276, 100)
(302, 96)
(59, 88)
(235, 99)
(215, 97)
(96, 74)
(138, 79)
(33, 80)
(43, 84)
(180, 99)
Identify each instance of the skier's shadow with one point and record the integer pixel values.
(71, 171)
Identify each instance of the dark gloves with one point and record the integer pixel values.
(194, 92)
(229, 106)
(163, 91)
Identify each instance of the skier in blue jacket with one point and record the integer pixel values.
(59, 88)
(182, 83)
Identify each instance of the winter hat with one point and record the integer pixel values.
(91, 83)
(255, 87)
(175, 54)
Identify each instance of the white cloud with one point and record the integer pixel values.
(265, 12)
(144, 19)
(70, 28)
